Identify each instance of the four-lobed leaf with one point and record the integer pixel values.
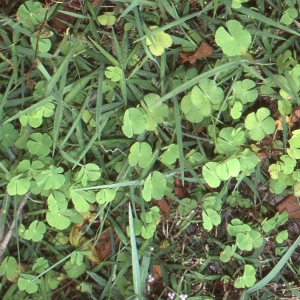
(134, 122)
(140, 154)
(158, 42)
(235, 41)
(154, 186)
(259, 124)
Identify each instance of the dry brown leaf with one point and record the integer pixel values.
(104, 244)
(203, 50)
(163, 206)
(291, 205)
(180, 191)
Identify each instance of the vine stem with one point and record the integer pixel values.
(8, 236)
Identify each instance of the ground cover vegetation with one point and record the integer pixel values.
(149, 149)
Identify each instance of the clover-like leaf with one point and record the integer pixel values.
(32, 169)
(107, 19)
(248, 161)
(57, 220)
(81, 200)
(35, 232)
(259, 124)
(154, 186)
(89, 172)
(42, 45)
(284, 60)
(31, 14)
(51, 179)
(288, 16)
(148, 231)
(18, 185)
(284, 107)
(236, 110)
(134, 122)
(229, 140)
(190, 110)
(227, 253)
(206, 96)
(57, 201)
(210, 218)
(73, 270)
(28, 283)
(247, 280)
(41, 264)
(186, 206)
(229, 168)
(159, 42)
(237, 3)
(209, 172)
(8, 135)
(245, 91)
(105, 196)
(39, 144)
(282, 236)
(113, 73)
(236, 42)
(8, 266)
(156, 111)
(140, 154)
(170, 155)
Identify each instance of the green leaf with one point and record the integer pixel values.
(107, 19)
(190, 110)
(227, 253)
(230, 168)
(35, 232)
(56, 202)
(140, 153)
(134, 122)
(209, 172)
(186, 206)
(41, 264)
(170, 155)
(39, 144)
(158, 42)
(236, 110)
(105, 196)
(8, 135)
(282, 236)
(31, 14)
(229, 140)
(28, 283)
(248, 279)
(210, 218)
(81, 200)
(51, 179)
(245, 91)
(236, 42)
(57, 220)
(113, 73)
(18, 185)
(148, 231)
(156, 111)
(8, 266)
(89, 172)
(73, 270)
(288, 16)
(42, 45)
(259, 124)
(284, 107)
(154, 186)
